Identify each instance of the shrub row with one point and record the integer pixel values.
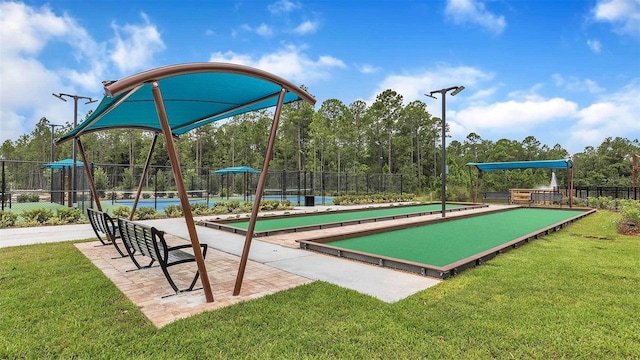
(232, 207)
(37, 217)
(372, 199)
(630, 211)
(25, 198)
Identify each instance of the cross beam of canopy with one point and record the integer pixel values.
(175, 99)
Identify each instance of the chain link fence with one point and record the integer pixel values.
(28, 184)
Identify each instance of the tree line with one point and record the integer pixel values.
(385, 137)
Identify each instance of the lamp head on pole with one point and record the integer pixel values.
(457, 90)
(59, 96)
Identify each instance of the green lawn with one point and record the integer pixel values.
(571, 294)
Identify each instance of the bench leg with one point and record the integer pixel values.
(195, 278)
(115, 244)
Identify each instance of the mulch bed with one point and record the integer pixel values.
(626, 229)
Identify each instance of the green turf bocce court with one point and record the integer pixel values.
(444, 248)
(271, 225)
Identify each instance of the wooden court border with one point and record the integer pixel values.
(227, 224)
(318, 244)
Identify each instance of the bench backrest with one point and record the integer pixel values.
(496, 195)
(96, 218)
(546, 196)
(102, 223)
(140, 238)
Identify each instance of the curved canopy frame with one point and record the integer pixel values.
(175, 99)
(194, 94)
(537, 164)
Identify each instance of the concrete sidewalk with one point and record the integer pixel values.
(385, 284)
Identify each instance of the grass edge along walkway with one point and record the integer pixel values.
(571, 294)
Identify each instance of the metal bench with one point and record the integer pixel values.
(142, 241)
(105, 228)
(546, 197)
(496, 195)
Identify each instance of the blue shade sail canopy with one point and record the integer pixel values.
(194, 94)
(540, 164)
(61, 164)
(237, 170)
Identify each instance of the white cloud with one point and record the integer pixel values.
(264, 30)
(306, 27)
(283, 6)
(518, 115)
(413, 86)
(551, 120)
(368, 69)
(474, 12)
(33, 27)
(623, 14)
(25, 32)
(530, 94)
(31, 34)
(594, 45)
(577, 85)
(137, 48)
(615, 114)
(290, 62)
(483, 94)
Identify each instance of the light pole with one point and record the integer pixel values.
(443, 93)
(75, 98)
(53, 128)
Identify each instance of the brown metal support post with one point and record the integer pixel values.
(471, 186)
(635, 169)
(184, 200)
(87, 170)
(144, 175)
(570, 173)
(258, 197)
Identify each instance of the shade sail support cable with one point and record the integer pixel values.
(184, 200)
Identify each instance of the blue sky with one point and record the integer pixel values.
(566, 72)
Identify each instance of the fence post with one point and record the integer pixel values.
(323, 180)
(155, 190)
(4, 186)
(93, 176)
(305, 183)
(299, 184)
(367, 177)
(346, 183)
(209, 186)
(284, 185)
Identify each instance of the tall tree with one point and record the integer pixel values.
(386, 111)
